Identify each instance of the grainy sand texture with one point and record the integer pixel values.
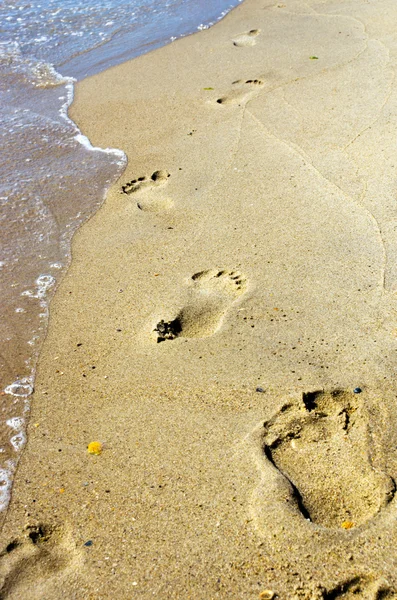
(228, 327)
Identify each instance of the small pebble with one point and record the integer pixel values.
(260, 389)
(89, 543)
(357, 390)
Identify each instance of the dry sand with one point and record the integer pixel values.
(259, 251)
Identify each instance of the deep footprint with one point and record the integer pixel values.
(210, 295)
(35, 559)
(156, 179)
(322, 446)
(242, 92)
(246, 39)
(363, 587)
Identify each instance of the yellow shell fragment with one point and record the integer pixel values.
(94, 448)
(267, 595)
(347, 524)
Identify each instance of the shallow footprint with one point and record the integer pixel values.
(210, 295)
(29, 563)
(156, 179)
(242, 91)
(322, 447)
(246, 39)
(155, 205)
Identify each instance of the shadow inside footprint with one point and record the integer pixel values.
(157, 178)
(242, 92)
(322, 447)
(363, 587)
(41, 554)
(210, 295)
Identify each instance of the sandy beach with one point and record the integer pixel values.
(227, 329)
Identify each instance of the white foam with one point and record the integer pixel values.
(16, 423)
(84, 141)
(44, 283)
(46, 76)
(80, 137)
(22, 388)
(18, 441)
(6, 477)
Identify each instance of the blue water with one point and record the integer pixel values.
(81, 38)
(51, 178)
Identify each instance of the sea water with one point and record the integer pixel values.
(51, 178)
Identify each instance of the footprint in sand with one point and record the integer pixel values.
(242, 92)
(157, 179)
(363, 587)
(246, 39)
(36, 559)
(322, 447)
(359, 587)
(155, 204)
(210, 295)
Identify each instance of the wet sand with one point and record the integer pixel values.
(227, 328)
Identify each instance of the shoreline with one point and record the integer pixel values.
(36, 253)
(239, 273)
(77, 65)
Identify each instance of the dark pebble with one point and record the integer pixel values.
(260, 389)
(357, 390)
(89, 543)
